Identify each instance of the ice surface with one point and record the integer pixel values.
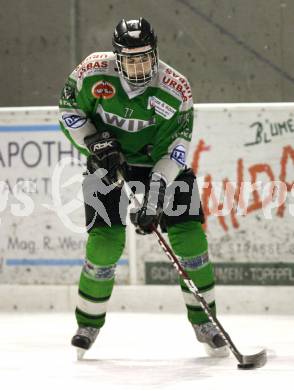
(140, 351)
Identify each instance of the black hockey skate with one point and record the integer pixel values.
(84, 339)
(213, 342)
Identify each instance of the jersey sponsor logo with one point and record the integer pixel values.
(103, 89)
(90, 67)
(178, 154)
(131, 125)
(99, 56)
(185, 133)
(68, 94)
(74, 121)
(161, 108)
(102, 145)
(177, 83)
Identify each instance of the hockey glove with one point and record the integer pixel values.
(149, 215)
(106, 153)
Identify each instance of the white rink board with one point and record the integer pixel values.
(42, 249)
(45, 247)
(226, 131)
(235, 141)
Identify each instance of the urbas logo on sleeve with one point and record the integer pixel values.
(74, 121)
(178, 154)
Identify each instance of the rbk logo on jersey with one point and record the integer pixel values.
(74, 121)
(131, 125)
(103, 89)
(102, 145)
(178, 154)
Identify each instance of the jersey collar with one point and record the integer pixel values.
(132, 92)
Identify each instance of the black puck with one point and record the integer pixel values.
(246, 366)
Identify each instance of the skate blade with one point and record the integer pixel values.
(80, 353)
(217, 352)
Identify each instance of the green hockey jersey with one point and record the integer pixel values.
(153, 123)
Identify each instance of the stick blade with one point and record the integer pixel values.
(250, 362)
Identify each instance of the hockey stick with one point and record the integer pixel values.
(246, 362)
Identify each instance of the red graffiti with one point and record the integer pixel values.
(234, 191)
(288, 152)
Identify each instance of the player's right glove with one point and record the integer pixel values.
(106, 153)
(150, 213)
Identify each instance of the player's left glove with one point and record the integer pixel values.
(150, 213)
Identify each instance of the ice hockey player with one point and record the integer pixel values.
(132, 116)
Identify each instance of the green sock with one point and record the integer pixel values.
(188, 241)
(104, 248)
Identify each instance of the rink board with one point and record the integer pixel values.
(42, 229)
(148, 299)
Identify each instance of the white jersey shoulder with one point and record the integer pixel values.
(176, 84)
(97, 63)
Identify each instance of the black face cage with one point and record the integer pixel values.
(138, 73)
